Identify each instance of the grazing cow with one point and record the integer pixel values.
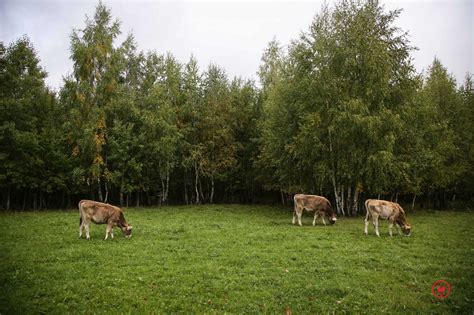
(102, 213)
(312, 203)
(386, 210)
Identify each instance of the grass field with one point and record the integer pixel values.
(234, 259)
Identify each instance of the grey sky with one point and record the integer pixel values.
(232, 35)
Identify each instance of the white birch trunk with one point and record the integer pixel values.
(336, 195)
(106, 186)
(413, 202)
(341, 198)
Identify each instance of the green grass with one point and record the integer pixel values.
(234, 259)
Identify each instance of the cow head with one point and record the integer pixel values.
(331, 214)
(404, 225)
(402, 221)
(127, 231)
(406, 228)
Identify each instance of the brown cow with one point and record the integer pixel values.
(310, 203)
(386, 210)
(102, 213)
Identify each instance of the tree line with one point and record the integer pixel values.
(340, 112)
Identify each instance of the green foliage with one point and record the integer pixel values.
(345, 108)
(464, 125)
(339, 112)
(246, 259)
(32, 146)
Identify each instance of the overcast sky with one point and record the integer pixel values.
(233, 34)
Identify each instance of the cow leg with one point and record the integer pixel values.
(294, 217)
(108, 230)
(322, 217)
(299, 214)
(315, 217)
(376, 226)
(399, 229)
(390, 227)
(366, 221)
(80, 230)
(87, 226)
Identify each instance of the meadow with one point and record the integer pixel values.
(233, 259)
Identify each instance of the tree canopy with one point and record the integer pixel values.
(340, 111)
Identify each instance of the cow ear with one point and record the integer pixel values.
(129, 227)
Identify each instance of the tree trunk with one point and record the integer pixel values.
(162, 201)
(196, 181)
(106, 186)
(24, 199)
(121, 195)
(212, 189)
(336, 195)
(333, 176)
(413, 202)
(62, 198)
(42, 204)
(396, 197)
(164, 188)
(167, 185)
(282, 197)
(201, 191)
(99, 190)
(138, 198)
(68, 201)
(355, 202)
(348, 201)
(8, 198)
(128, 198)
(341, 198)
(148, 200)
(186, 200)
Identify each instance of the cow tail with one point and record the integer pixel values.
(80, 213)
(367, 210)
